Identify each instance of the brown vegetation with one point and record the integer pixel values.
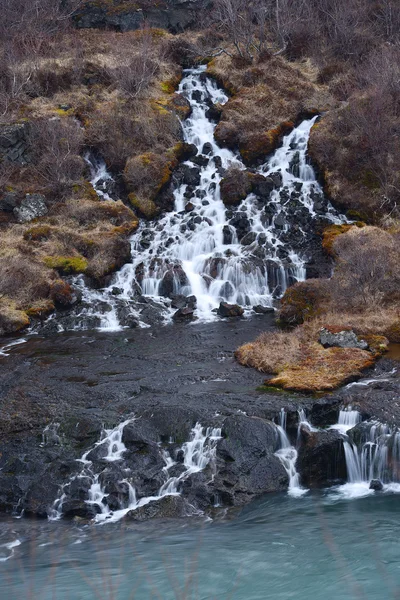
(362, 295)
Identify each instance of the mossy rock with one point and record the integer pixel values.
(61, 293)
(378, 344)
(333, 231)
(40, 309)
(301, 302)
(257, 146)
(38, 233)
(11, 319)
(235, 187)
(146, 207)
(66, 265)
(180, 106)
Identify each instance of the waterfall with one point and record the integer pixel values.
(303, 423)
(247, 254)
(101, 180)
(287, 454)
(375, 456)
(198, 453)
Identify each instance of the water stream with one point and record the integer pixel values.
(198, 453)
(246, 255)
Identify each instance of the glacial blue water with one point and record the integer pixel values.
(317, 547)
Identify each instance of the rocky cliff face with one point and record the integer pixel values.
(125, 15)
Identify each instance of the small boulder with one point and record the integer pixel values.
(230, 310)
(8, 202)
(180, 105)
(235, 187)
(376, 485)
(163, 508)
(207, 148)
(345, 338)
(184, 314)
(31, 207)
(263, 310)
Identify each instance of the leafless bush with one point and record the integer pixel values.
(56, 145)
(136, 68)
(122, 132)
(368, 268)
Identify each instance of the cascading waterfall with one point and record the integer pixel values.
(287, 454)
(303, 423)
(245, 255)
(375, 456)
(198, 453)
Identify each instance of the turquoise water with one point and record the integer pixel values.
(280, 548)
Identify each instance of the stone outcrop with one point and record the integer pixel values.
(31, 207)
(341, 339)
(14, 146)
(126, 15)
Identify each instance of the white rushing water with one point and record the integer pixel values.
(287, 454)
(198, 453)
(375, 456)
(242, 255)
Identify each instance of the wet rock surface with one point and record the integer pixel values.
(57, 394)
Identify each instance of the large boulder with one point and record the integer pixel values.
(230, 310)
(246, 464)
(321, 457)
(31, 207)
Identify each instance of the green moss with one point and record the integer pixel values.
(40, 233)
(66, 264)
(145, 206)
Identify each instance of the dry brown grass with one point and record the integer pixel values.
(265, 96)
(302, 364)
(323, 369)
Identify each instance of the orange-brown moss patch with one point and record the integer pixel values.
(333, 231)
(324, 369)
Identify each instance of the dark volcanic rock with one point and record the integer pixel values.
(321, 457)
(167, 507)
(376, 484)
(175, 15)
(246, 464)
(230, 310)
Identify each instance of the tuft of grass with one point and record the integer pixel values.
(66, 265)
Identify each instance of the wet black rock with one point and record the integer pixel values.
(175, 276)
(249, 238)
(246, 463)
(230, 310)
(207, 148)
(263, 310)
(262, 186)
(167, 507)
(186, 174)
(227, 234)
(376, 484)
(277, 179)
(214, 113)
(321, 459)
(184, 314)
(116, 291)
